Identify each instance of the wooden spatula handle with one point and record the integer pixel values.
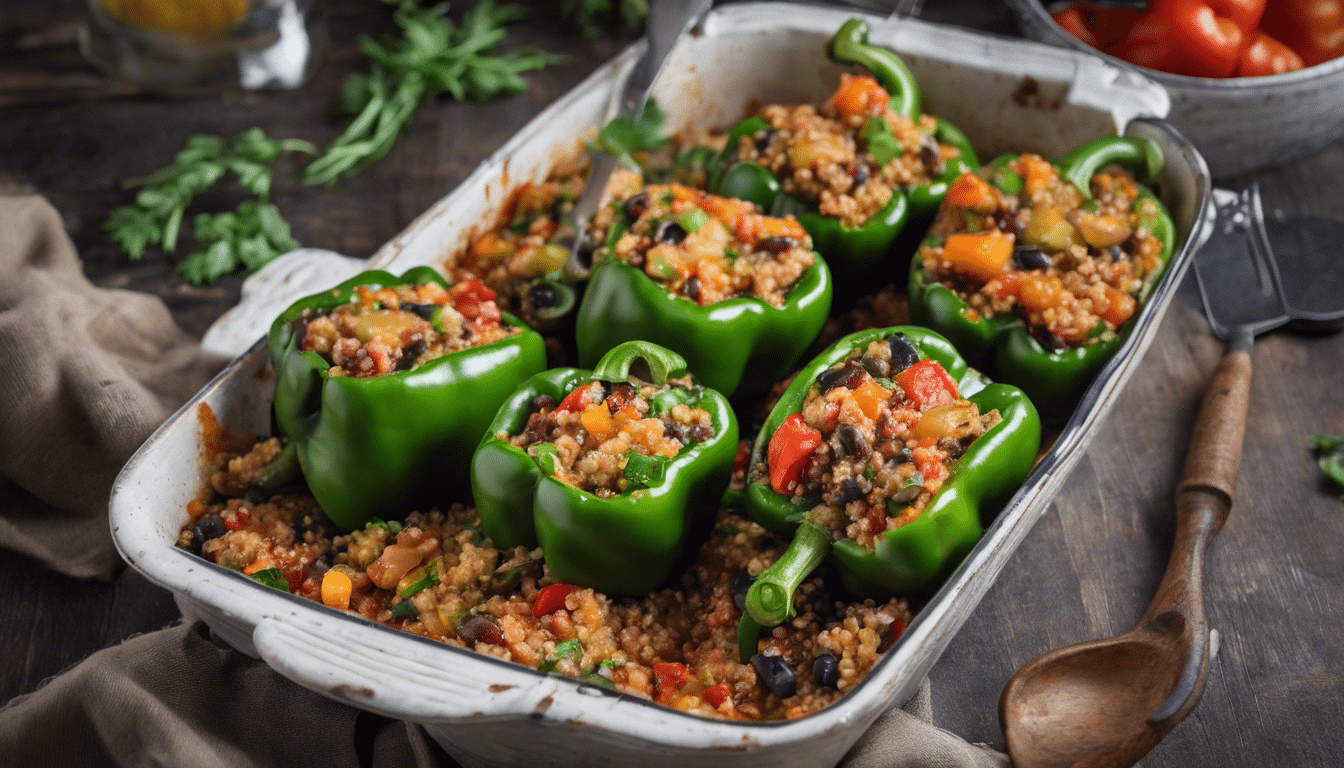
(1215, 446)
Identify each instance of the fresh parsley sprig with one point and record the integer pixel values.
(1329, 451)
(431, 57)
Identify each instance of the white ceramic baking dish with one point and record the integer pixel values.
(1005, 94)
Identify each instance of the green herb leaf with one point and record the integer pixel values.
(405, 610)
(1330, 455)
(272, 577)
(569, 649)
(430, 579)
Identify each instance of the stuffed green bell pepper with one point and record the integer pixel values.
(853, 171)
(1045, 265)
(738, 294)
(888, 454)
(616, 472)
(385, 385)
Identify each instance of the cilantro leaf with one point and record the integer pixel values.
(273, 578)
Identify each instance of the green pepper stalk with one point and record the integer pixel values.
(1054, 379)
(742, 344)
(378, 446)
(914, 557)
(627, 544)
(857, 255)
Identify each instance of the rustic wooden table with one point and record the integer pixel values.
(1088, 568)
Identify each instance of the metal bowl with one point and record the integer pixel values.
(1239, 124)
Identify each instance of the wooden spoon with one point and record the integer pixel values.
(1106, 703)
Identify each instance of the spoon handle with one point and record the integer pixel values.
(1214, 454)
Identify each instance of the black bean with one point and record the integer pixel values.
(875, 366)
(952, 446)
(907, 494)
(850, 376)
(777, 244)
(480, 628)
(903, 456)
(410, 353)
(676, 431)
(1115, 253)
(543, 403)
(850, 442)
(904, 353)
(861, 174)
(930, 155)
(693, 288)
(542, 295)
(850, 490)
(425, 311)
(635, 206)
(776, 674)
(826, 670)
(741, 584)
(205, 529)
(669, 231)
(1030, 257)
(763, 140)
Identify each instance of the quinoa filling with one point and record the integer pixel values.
(435, 575)
(400, 327)
(1075, 270)
(607, 439)
(849, 156)
(883, 428)
(708, 248)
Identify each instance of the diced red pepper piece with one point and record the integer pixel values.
(791, 447)
(668, 676)
(475, 301)
(551, 599)
(927, 385)
(576, 400)
(716, 695)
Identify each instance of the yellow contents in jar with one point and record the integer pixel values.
(180, 15)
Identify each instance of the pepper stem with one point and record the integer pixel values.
(662, 363)
(770, 599)
(1140, 155)
(850, 46)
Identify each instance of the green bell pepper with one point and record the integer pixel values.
(914, 557)
(378, 446)
(1054, 379)
(741, 344)
(856, 254)
(627, 544)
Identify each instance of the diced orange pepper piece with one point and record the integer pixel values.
(1036, 173)
(1039, 292)
(869, 397)
(597, 420)
(336, 588)
(980, 257)
(860, 95)
(1122, 306)
(970, 191)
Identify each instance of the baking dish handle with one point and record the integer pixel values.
(393, 674)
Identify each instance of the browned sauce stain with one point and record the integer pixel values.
(542, 706)
(213, 438)
(500, 688)
(1028, 94)
(346, 690)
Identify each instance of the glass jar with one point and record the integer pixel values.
(200, 47)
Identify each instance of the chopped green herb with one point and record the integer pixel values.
(272, 577)
(728, 529)
(662, 269)
(430, 579)
(405, 610)
(569, 649)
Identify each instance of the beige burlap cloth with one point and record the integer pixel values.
(87, 375)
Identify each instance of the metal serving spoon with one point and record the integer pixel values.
(1106, 703)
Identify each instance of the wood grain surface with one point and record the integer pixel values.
(1275, 574)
